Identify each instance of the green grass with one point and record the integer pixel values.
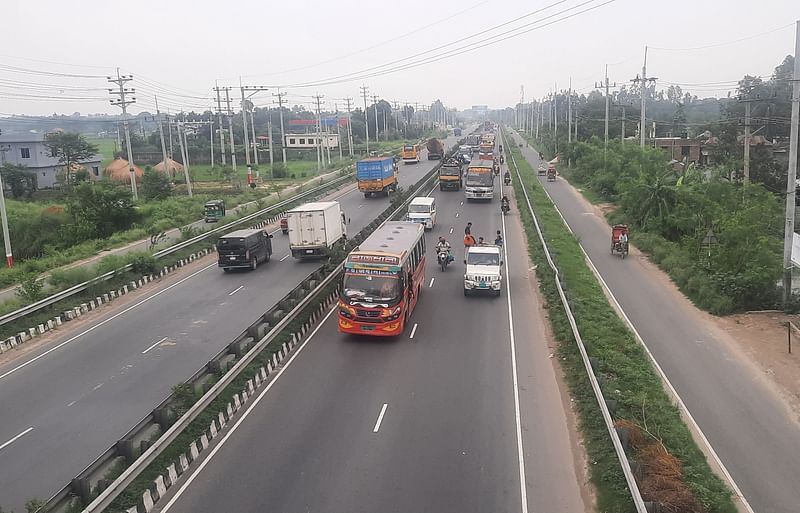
(107, 147)
(629, 378)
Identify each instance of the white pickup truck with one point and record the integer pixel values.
(484, 265)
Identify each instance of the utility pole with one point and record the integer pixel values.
(211, 134)
(253, 132)
(163, 144)
(221, 128)
(338, 132)
(524, 116)
(349, 127)
(555, 113)
(375, 108)
(120, 101)
(269, 133)
(317, 99)
(169, 136)
(230, 127)
(245, 107)
(644, 79)
(4, 217)
(622, 133)
(396, 121)
(280, 96)
(606, 85)
(746, 143)
(185, 156)
(791, 185)
(364, 92)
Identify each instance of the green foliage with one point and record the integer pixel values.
(155, 186)
(69, 148)
(278, 170)
(18, 179)
(629, 378)
(30, 287)
(142, 263)
(64, 278)
(672, 213)
(34, 505)
(100, 209)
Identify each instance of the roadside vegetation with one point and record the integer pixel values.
(672, 468)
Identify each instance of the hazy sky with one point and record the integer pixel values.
(178, 48)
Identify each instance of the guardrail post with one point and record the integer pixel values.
(82, 488)
(125, 449)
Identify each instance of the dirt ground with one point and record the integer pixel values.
(763, 337)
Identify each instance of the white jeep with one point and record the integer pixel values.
(484, 265)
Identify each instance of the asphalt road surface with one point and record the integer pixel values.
(430, 421)
(751, 430)
(62, 406)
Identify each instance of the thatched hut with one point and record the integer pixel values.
(119, 171)
(172, 168)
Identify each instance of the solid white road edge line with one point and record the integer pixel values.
(431, 283)
(681, 405)
(380, 418)
(413, 330)
(16, 438)
(154, 345)
(240, 287)
(101, 323)
(233, 428)
(520, 450)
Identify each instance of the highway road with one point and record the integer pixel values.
(431, 421)
(68, 400)
(751, 430)
(171, 237)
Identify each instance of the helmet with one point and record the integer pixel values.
(441, 239)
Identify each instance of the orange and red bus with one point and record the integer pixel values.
(382, 280)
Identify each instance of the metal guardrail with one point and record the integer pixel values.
(75, 289)
(242, 345)
(598, 392)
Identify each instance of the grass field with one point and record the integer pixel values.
(107, 148)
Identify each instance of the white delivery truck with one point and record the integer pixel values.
(314, 228)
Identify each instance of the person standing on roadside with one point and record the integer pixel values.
(468, 229)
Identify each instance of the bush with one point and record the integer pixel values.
(64, 278)
(30, 287)
(278, 170)
(142, 263)
(155, 185)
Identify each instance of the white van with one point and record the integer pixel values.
(483, 269)
(422, 209)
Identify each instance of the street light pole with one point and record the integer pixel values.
(6, 237)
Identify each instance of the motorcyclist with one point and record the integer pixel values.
(502, 160)
(498, 240)
(507, 176)
(443, 245)
(504, 204)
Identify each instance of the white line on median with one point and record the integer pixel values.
(456, 214)
(413, 330)
(431, 283)
(287, 256)
(520, 450)
(451, 229)
(106, 321)
(16, 438)
(247, 412)
(380, 418)
(154, 345)
(240, 287)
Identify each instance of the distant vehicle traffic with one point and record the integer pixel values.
(486, 151)
(382, 280)
(244, 249)
(483, 272)
(315, 228)
(474, 142)
(376, 175)
(457, 132)
(435, 149)
(214, 210)
(422, 210)
(479, 181)
(410, 154)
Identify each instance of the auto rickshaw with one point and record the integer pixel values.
(619, 244)
(542, 170)
(551, 173)
(214, 210)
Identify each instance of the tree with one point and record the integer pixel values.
(100, 209)
(18, 179)
(155, 185)
(69, 148)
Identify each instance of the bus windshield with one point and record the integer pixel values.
(371, 288)
(480, 179)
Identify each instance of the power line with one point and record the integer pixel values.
(715, 45)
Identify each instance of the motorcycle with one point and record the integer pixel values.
(444, 258)
(507, 180)
(505, 208)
